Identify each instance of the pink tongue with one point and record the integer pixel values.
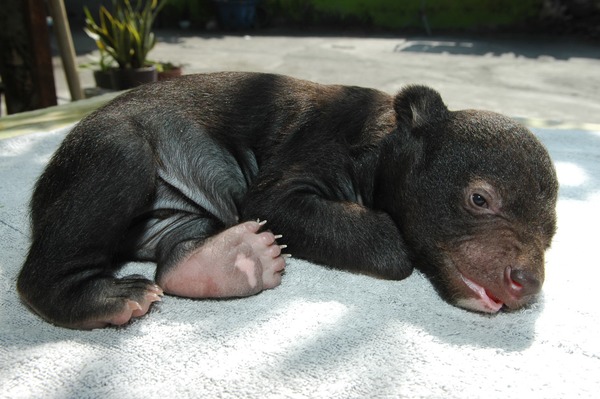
(486, 300)
(493, 298)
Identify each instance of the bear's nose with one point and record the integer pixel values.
(521, 283)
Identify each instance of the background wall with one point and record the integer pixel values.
(397, 14)
(571, 16)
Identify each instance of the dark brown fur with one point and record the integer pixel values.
(353, 178)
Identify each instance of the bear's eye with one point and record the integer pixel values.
(479, 200)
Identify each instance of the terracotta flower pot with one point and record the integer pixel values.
(170, 73)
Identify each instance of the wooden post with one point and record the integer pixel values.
(67, 50)
(25, 59)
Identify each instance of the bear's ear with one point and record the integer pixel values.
(417, 106)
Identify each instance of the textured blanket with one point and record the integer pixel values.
(322, 333)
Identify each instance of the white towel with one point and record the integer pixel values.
(322, 333)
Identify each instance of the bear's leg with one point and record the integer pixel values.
(82, 205)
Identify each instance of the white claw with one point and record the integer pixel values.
(261, 223)
(278, 236)
(286, 255)
(283, 246)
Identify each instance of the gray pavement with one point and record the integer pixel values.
(557, 80)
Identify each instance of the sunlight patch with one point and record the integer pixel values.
(570, 174)
(16, 147)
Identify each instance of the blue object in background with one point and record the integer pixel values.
(236, 14)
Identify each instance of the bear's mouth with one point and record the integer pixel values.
(485, 301)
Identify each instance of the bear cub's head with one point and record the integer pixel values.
(477, 201)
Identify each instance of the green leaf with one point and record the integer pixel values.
(126, 33)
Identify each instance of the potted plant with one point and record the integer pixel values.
(101, 68)
(126, 36)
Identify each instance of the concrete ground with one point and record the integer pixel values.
(556, 80)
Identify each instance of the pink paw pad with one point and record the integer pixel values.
(239, 261)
